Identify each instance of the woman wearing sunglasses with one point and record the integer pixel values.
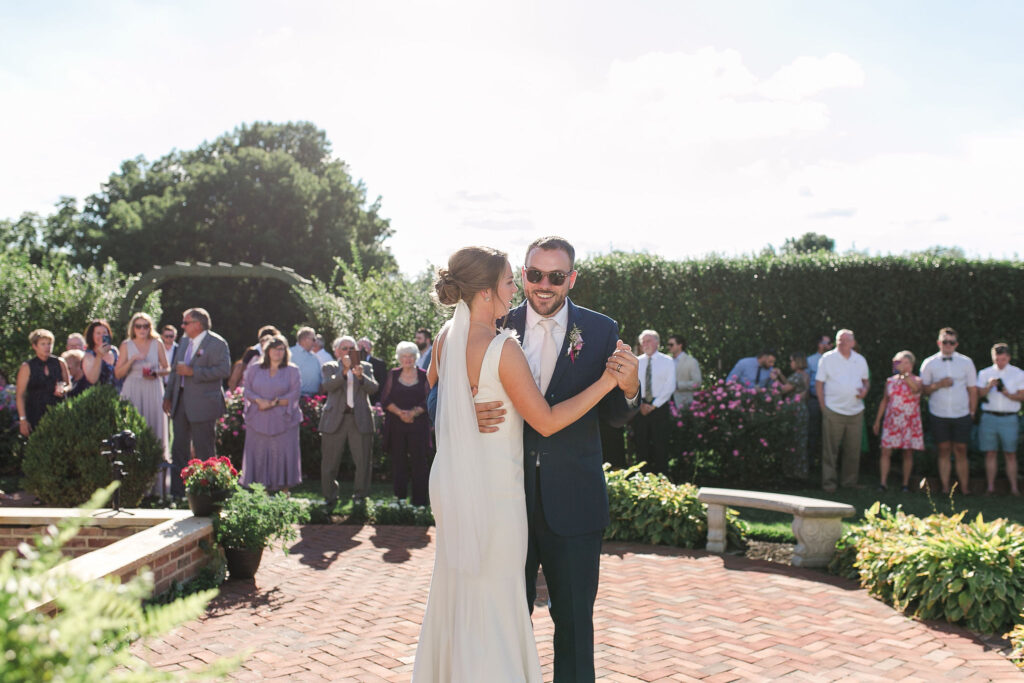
(140, 363)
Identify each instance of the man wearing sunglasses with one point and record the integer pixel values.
(950, 383)
(567, 348)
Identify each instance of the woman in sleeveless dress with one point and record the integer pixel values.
(40, 383)
(100, 357)
(140, 364)
(477, 624)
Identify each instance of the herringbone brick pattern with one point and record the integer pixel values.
(346, 606)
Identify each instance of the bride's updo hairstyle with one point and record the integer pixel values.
(470, 270)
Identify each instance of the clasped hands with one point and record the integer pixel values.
(622, 366)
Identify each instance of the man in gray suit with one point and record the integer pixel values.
(194, 397)
(346, 418)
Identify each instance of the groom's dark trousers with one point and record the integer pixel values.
(566, 497)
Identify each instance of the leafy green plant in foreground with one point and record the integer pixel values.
(88, 638)
(939, 567)
(648, 508)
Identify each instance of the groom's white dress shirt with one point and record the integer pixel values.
(533, 336)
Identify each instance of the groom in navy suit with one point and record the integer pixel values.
(568, 348)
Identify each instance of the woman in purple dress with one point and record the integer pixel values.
(272, 418)
(406, 425)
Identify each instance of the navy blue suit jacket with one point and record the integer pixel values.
(572, 479)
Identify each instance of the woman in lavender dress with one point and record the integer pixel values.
(272, 418)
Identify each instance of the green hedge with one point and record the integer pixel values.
(939, 567)
(729, 308)
(63, 461)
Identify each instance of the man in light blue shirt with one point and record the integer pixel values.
(305, 358)
(755, 371)
(823, 342)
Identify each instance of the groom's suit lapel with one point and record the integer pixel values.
(563, 362)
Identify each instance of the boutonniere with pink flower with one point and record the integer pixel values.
(575, 343)
(199, 353)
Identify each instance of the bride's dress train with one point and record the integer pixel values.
(477, 626)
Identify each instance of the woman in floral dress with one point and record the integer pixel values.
(901, 408)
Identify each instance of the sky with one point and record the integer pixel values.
(678, 128)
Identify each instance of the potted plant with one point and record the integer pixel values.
(252, 520)
(207, 483)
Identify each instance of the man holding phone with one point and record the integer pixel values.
(1003, 385)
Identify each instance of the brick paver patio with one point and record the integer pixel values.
(346, 606)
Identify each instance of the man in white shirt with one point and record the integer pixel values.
(303, 357)
(657, 384)
(841, 385)
(688, 377)
(319, 351)
(950, 383)
(1003, 385)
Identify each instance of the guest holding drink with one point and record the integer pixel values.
(272, 418)
(41, 381)
(141, 362)
(798, 385)
(100, 355)
(406, 425)
(899, 418)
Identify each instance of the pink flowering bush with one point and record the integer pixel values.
(12, 444)
(733, 435)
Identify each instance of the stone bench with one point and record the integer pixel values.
(817, 524)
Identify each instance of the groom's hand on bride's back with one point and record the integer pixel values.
(489, 414)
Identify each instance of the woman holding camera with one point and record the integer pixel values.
(141, 362)
(41, 381)
(100, 355)
(901, 410)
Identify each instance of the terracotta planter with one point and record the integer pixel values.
(206, 504)
(242, 563)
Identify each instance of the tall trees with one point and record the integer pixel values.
(263, 192)
(808, 243)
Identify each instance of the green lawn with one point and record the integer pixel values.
(776, 526)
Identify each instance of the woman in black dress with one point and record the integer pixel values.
(406, 425)
(41, 381)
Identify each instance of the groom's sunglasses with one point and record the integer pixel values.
(555, 277)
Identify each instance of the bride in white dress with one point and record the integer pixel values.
(477, 624)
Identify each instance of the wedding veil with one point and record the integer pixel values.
(460, 448)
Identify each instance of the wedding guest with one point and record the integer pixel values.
(1003, 384)
(319, 351)
(425, 344)
(303, 357)
(73, 358)
(75, 342)
(169, 339)
(100, 354)
(899, 419)
(141, 363)
(841, 385)
(755, 371)
(380, 370)
(406, 426)
(253, 354)
(657, 384)
(688, 377)
(272, 417)
(41, 381)
(346, 418)
(950, 383)
(797, 386)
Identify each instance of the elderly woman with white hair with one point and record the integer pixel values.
(406, 425)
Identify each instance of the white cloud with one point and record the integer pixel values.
(808, 76)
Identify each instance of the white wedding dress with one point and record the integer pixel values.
(477, 626)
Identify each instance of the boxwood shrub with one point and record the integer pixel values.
(939, 567)
(63, 463)
(648, 508)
